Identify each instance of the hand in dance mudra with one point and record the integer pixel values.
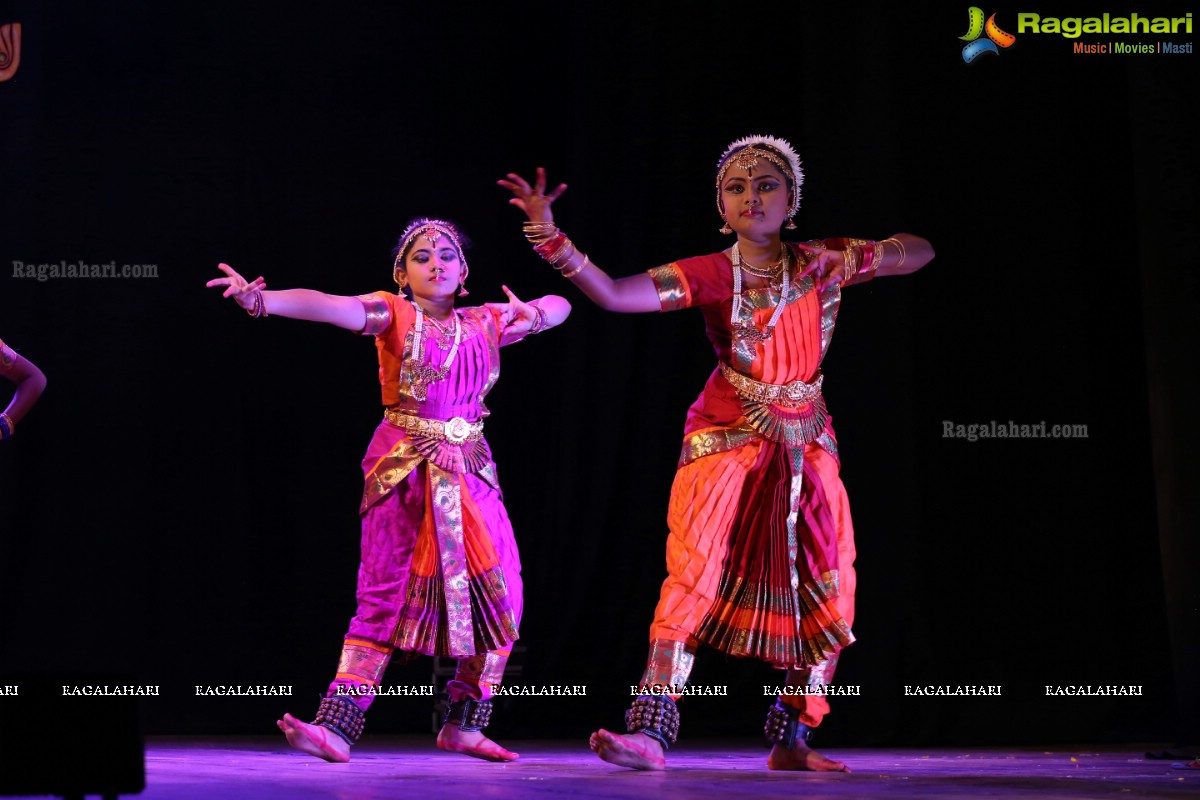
(516, 317)
(237, 287)
(826, 267)
(533, 200)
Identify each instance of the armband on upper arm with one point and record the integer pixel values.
(378, 314)
(673, 290)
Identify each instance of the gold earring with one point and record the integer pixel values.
(725, 229)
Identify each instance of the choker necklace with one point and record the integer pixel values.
(421, 374)
(749, 331)
(439, 333)
(771, 271)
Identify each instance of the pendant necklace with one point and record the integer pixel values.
(749, 331)
(420, 373)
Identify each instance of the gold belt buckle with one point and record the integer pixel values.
(457, 430)
(796, 390)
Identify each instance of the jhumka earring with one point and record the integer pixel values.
(725, 229)
(462, 284)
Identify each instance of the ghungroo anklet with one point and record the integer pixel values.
(342, 716)
(784, 726)
(469, 714)
(657, 716)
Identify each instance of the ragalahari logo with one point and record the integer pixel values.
(10, 50)
(976, 27)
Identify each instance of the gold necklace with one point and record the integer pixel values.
(440, 334)
(420, 373)
(748, 331)
(770, 271)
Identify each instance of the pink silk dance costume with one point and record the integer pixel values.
(440, 574)
(760, 552)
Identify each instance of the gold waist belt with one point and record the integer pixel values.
(456, 430)
(790, 395)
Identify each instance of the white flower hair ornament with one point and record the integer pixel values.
(745, 153)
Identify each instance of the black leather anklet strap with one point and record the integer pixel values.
(784, 726)
(470, 715)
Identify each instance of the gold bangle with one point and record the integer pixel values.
(566, 248)
(899, 246)
(578, 269)
(849, 264)
(539, 232)
(563, 255)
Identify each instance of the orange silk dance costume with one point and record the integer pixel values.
(760, 553)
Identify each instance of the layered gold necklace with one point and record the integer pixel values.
(420, 373)
(779, 271)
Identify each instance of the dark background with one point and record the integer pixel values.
(181, 504)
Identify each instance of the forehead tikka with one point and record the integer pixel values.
(786, 159)
(748, 159)
(431, 231)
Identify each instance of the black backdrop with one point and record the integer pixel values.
(180, 506)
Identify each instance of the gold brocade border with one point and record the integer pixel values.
(389, 471)
(669, 663)
(812, 675)
(485, 668)
(446, 493)
(409, 452)
(419, 632)
(363, 662)
(831, 299)
(673, 291)
(708, 441)
(378, 315)
(788, 651)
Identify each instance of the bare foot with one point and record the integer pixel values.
(802, 757)
(454, 739)
(634, 750)
(314, 739)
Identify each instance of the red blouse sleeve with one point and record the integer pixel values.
(697, 281)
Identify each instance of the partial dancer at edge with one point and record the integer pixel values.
(440, 573)
(761, 549)
(30, 382)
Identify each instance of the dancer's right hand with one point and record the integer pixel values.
(533, 200)
(237, 287)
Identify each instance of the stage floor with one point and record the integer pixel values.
(238, 768)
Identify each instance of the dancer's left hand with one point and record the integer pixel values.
(516, 317)
(827, 267)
